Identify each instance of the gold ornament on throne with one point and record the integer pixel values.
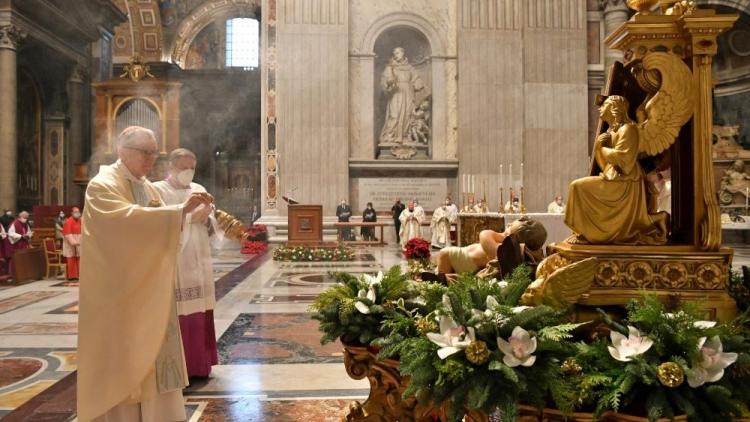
(611, 207)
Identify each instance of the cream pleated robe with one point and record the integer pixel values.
(131, 365)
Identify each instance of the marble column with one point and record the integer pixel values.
(10, 37)
(616, 13)
(77, 109)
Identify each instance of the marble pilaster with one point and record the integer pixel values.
(74, 146)
(615, 13)
(10, 38)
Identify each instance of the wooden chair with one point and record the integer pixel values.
(53, 257)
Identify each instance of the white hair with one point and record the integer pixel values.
(131, 133)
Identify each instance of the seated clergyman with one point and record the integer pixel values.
(468, 259)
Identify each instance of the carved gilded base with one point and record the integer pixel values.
(386, 388)
(624, 272)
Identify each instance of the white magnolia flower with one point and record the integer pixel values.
(369, 294)
(502, 283)
(712, 362)
(697, 324)
(625, 348)
(519, 348)
(519, 309)
(452, 338)
(373, 280)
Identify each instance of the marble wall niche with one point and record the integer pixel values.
(403, 94)
(373, 23)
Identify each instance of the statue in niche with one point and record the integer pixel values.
(419, 127)
(725, 143)
(735, 180)
(401, 82)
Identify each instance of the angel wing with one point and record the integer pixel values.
(670, 108)
(564, 286)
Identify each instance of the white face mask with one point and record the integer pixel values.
(23, 220)
(76, 215)
(185, 177)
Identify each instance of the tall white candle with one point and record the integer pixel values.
(463, 183)
(510, 175)
(502, 176)
(521, 174)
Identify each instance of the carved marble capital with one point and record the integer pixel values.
(613, 5)
(78, 74)
(11, 37)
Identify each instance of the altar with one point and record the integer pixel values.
(470, 224)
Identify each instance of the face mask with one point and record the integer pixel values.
(76, 215)
(62, 215)
(9, 214)
(185, 177)
(22, 220)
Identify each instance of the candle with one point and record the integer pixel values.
(463, 183)
(510, 175)
(501, 177)
(521, 174)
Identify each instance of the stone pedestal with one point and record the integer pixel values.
(10, 37)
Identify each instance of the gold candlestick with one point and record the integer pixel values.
(523, 203)
(501, 209)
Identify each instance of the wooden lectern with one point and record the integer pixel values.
(305, 225)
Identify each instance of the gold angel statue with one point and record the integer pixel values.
(559, 285)
(612, 207)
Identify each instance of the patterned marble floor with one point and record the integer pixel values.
(271, 364)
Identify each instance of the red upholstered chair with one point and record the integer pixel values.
(53, 257)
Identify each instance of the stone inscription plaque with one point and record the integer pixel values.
(383, 191)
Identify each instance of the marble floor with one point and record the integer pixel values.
(271, 364)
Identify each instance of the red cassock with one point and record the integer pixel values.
(71, 247)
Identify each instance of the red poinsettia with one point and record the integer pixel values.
(257, 232)
(254, 247)
(417, 249)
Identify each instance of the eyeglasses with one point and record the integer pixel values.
(147, 152)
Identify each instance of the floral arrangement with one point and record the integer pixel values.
(668, 363)
(355, 307)
(417, 253)
(417, 249)
(307, 254)
(257, 232)
(471, 345)
(254, 247)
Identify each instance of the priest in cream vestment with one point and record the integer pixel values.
(130, 361)
(411, 220)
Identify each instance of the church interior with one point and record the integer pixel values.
(371, 177)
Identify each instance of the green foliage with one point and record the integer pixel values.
(404, 319)
(337, 310)
(306, 254)
(609, 384)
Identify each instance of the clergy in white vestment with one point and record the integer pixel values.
(194, 293)
(440, 225)
(411, 220)
(557, 206)
(130, 361)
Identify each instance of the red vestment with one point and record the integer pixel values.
(71, 246)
